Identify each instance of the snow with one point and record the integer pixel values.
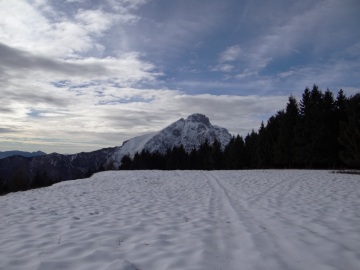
(130, 147)
(190, 133)
(128, 220)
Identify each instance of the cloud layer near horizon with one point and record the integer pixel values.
(80, 75)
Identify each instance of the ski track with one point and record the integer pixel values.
(144, 220)
(247, 233)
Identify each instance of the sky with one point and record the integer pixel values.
(80, 75)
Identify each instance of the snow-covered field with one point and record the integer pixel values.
(153, 220)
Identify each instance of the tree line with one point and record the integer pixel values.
(318, 132)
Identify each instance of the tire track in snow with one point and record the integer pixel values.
(244, 243)
(223, 235)
(290, 244)
(276, 195)
(291, 184)
(274, 248)
(283, 197)
(257, 197)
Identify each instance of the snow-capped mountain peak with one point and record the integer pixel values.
(190, 132)
(199, 118)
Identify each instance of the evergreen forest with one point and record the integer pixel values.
(318, 132)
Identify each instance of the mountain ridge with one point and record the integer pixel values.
(21, 173)
(190, 132)
(10, 153)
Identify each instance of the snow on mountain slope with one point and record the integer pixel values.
(190, 132)
(155, 220)
(135, 144)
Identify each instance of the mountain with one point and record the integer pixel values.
(190, 132)
(20, 172)
(21, 153)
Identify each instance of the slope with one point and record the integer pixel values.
(185, 220)
(190, 132)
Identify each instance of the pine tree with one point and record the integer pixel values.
(250, 150)
(126, 163)
(216, 156)
(302, 130)
(203, 156)
(291, 122)
(278, 132)
(350, 133)
(329, 145)
(176, 158)
(311, 140)
(264, 149)
(340, 115)
(193, 160)
(234, 154)
(284, 144)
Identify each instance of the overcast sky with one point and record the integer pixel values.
(80, 75)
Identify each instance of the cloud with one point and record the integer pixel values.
(281, 36)
(7, 130)
(222, 68)
(119, 114)
(246, 74)
(96, 21)
(125, 70)
(80, 75)
(67, 47)
(126, 4)
(230, 54)
(36, 33)
(43, 28)
(283, 47)
(172, 32)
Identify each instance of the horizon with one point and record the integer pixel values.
(32, 152)
(78, 76)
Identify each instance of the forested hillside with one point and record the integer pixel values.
(319, 131)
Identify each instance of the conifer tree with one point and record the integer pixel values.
(235, 154)
(284, 143)
(250, 150)
(126, 163)
(215, 156)
(203, 155)
(263, 149)
(350, 133)
(311, 130)
(329, 145)
(193, 161)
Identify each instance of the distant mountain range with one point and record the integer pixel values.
(20, 172)
(6, 154)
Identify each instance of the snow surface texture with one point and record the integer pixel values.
(190, 132)
(153, 220)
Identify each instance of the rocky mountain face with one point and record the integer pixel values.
(190, 132)
(20, 173)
